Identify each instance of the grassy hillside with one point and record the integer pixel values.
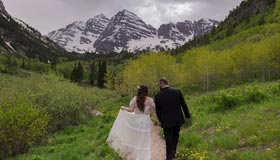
(250, 53)
(33, 106)
(237, 123)
(236, 67)
(226, 127)
(85, 141)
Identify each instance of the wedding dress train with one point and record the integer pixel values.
(131, 133)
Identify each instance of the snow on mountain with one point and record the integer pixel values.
(155, 44)
(97, 24)
(170, 31)
(127, 31)
(203, 26)
(123, 27)
(80, 36)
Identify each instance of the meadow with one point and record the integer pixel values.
(239, 123)
(230, 83)
(235, 123)
(34, 106)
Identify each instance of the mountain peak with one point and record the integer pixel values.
(97, 24)
(127, 13)
(77, 24)
(126, 31)
(100, 16)
(171, 24)
(97, 19)
(123, 27)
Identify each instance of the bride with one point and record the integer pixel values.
(131, 131)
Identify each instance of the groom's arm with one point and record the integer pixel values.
(184, 105)
(158, 111)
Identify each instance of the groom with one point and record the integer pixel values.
(169, 104)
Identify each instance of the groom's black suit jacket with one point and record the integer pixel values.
(169, 104)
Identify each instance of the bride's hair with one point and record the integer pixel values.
(141, 97)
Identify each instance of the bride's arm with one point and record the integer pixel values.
(155, 116)
(154, 112)
(131, 104)
(128, 109)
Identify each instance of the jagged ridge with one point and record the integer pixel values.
(127, 31)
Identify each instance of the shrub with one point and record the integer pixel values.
(64, 109)
(21, 125)
(228, 99)
(276, 89)
(254, 94)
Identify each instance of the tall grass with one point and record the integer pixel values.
(246, 130)
(52, 101)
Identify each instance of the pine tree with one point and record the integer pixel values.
(99, 80)
(92, 76)
(102, 67)
(74, 73)
(54, 63)
(23, 66)
(80, 72)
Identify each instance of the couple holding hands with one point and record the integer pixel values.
(131, 131)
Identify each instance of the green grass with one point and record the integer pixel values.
(251, 35)
(75, 143)
(62, 100)
(244, 132)
(86, 141)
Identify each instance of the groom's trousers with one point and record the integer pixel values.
(171, 135)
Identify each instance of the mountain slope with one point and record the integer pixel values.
(126, 31)
(123, 27)
(80, 36)
(18, 37)
(249, 14)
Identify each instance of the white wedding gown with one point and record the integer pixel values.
(131, 132)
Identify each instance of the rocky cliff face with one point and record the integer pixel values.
(80, 36)
(170, 31)
(203, 26)
(123, 27)
(186, 27)
(126, 31)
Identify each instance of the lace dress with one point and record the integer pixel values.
(131, 132)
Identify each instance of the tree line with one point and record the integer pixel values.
(205, 69)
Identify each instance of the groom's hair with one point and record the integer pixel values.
(164, 81)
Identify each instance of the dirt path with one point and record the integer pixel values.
(158, 144)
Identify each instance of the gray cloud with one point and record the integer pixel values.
(53, 14)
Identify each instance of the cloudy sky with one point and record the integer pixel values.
(48, 15)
